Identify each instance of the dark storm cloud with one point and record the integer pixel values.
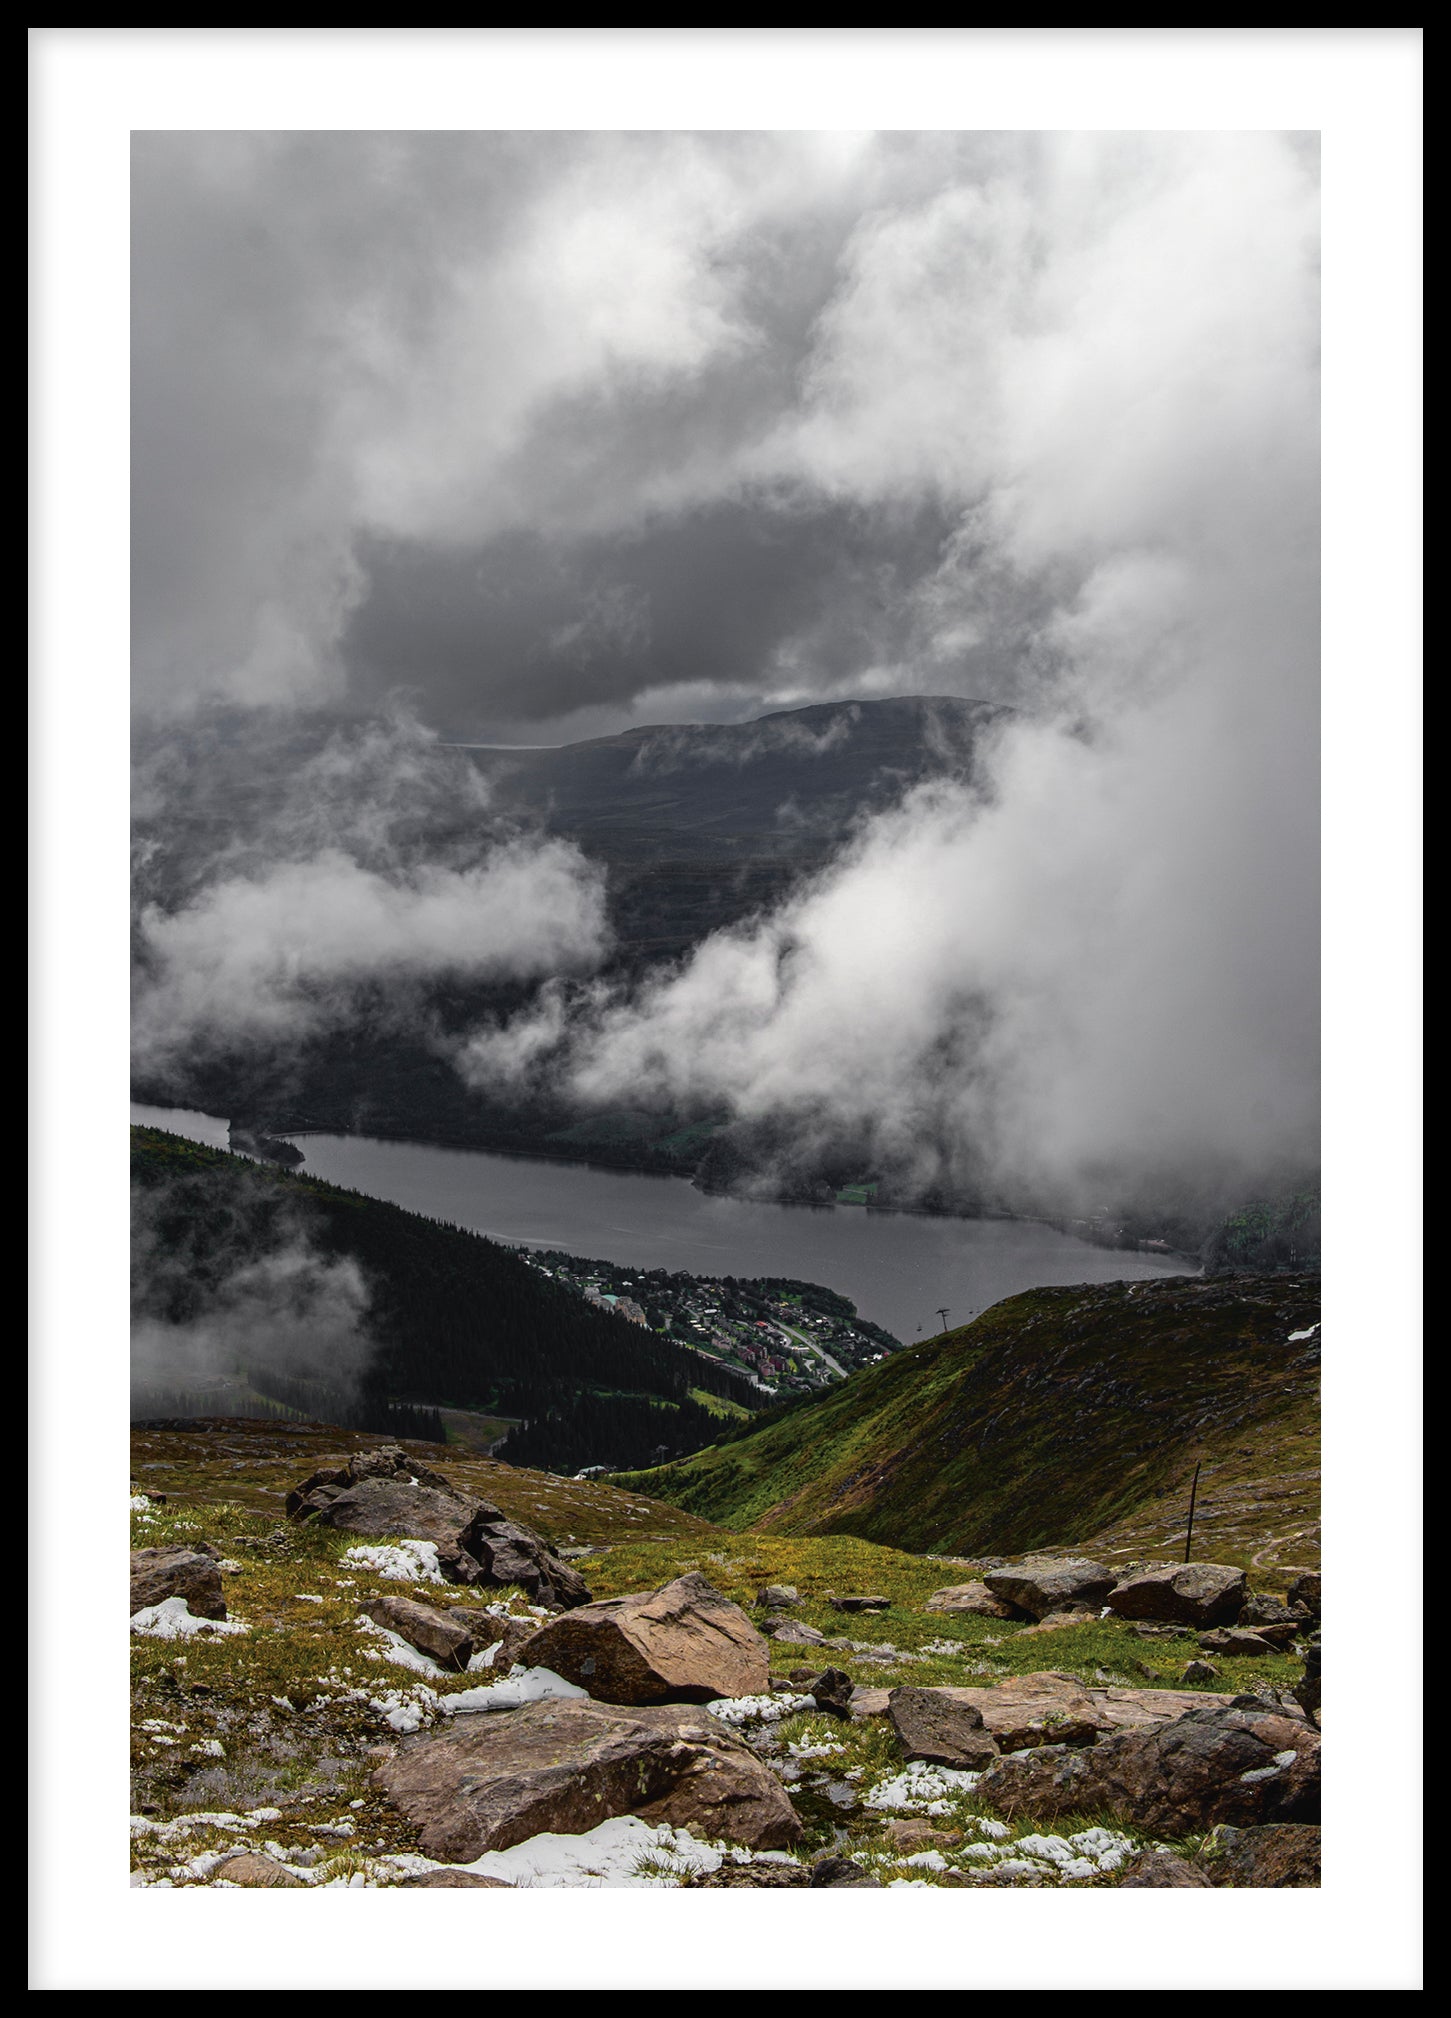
(531, 627)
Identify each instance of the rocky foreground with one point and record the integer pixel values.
(680, 1735)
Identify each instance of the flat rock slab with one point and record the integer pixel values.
(456, 1879)
(162, 1573)
(1036, 1709)
(936, 1725)
(1188, 1594)
(740, 1877)
(494, 1779)
(1044, 1587)
(683, 1643)
(1131, 1709)
(796, 1633)
(251, 1868)
(1247, 1640)
(1216, 1763)
(870, 1702)
(975, 1599)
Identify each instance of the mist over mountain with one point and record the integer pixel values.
(566, 439)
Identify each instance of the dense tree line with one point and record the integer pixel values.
(623, 1431)
(455, 1319)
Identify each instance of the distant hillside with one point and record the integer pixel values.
(456, 1321)
(1055, 1417)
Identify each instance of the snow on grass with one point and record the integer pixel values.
(406, 1561)
(758, 1709)
(624, 1851)
(173, 1619)
(921, 1789)
(520, 1685)
(202, 1818)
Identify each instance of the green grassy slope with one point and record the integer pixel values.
(1053, 1417)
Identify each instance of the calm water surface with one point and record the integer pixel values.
(896, 1267)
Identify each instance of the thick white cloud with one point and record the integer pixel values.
(1109, 365)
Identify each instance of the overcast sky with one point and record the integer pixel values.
(553, 433)
(543, 435)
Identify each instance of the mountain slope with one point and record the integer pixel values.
(1054, 1416)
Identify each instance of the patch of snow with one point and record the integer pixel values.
(928, 1860)
(1293, 1339)
(173, 1619)
(210, 1748)
(1263, 1773)
(804, 1751)
(309, 1598)
(758, 1709)
(921, 1789)
(484, 1658)
(1286, 1758)
(520, 1685)
(407, 1561)
(997, 1830)
(984, 1851)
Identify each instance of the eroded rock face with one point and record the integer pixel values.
(1218, 1763)
(190, 1573)
(1051, 1585)
(1037, 1709)
(495, 1779)
(384, 1492)
(1275, 1855)
(975, 1599)
(936, 1725)
(683, 1643)
(1188, 1594)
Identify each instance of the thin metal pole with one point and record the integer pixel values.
(1193, 1495)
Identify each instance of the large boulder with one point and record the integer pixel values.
(684, 1643)
(1048, 1586)
(385, 1492)
(1217, 1763)
(190, 1573)
(490, 1780)
(1186, 1594)
(975, 1599)
(1259, 1609)
(934, 1724)
(1307, 1690)
(1303, 1596)
(1280, 1855)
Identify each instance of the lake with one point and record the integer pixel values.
(896, 1267)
